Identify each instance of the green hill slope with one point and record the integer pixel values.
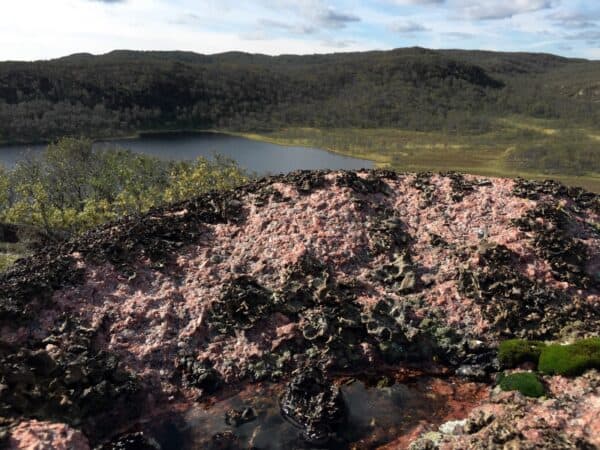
(414, 89)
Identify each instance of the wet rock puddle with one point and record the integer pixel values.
(378, 413)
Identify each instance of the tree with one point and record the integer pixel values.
(189, 180)
(143, 180)
(69, 165)
(32, 205)
(4, 190)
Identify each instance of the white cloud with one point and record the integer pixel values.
(500, 9)
(418, 2)
(407, 27)
(292, 28)
(574, 19)
(61, 27)
(592, 37)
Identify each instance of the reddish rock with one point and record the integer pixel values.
(566, 418)
(35, 435)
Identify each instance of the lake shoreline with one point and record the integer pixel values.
(255, 156)
(110, 137)
(496, 167)
(285, 143)
(377, 159)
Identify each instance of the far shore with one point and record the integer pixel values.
(381, 159)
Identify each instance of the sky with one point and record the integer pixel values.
(45, 29)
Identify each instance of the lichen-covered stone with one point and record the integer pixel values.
(68, 380)
(314, 405)
(517, 306)
(242, 304)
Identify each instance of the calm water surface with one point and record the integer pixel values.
(259, 157)
(375, 416)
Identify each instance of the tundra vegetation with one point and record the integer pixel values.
(515, 146)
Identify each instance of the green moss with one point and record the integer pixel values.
(516, 351)
(570, 360)
(526, 383)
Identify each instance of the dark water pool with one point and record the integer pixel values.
(259, 157)
(377, 415)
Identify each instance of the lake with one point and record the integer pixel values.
(260, 157)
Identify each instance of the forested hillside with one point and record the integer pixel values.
(416, 89)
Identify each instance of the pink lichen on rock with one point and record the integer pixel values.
(36, 435)
(566, 418)
(148, 319)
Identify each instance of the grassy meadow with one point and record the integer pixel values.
(514, 146)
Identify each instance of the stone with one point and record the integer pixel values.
(314, 405)
(237, 417)
(453, 427)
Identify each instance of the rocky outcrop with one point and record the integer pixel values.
(566, 419)
(349, 272)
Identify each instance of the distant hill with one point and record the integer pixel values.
(412, 88)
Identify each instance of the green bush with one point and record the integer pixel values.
(526, 383)
(570, 360)
(71, 187)
(516, 351)
(7, 260)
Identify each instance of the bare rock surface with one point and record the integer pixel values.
(350, 272)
